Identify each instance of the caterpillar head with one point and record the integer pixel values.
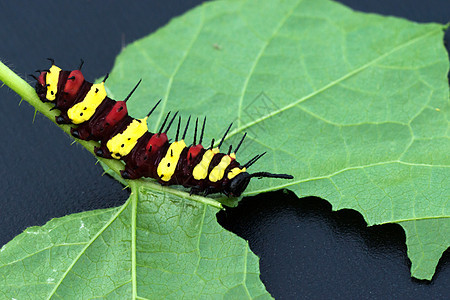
(238, 184)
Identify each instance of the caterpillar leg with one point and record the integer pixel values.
(127, 174)
(81, 132)
(195, 190)
(208, 191)
(62, 120)
(102, 151)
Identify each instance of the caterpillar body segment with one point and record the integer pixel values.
(100, 118)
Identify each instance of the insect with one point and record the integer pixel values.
(146, 154)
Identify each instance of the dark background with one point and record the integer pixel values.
(306, 250)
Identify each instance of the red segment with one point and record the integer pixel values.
(193, 152)
(73, 85)
(156, 141)
(117, 113)
(41, 78)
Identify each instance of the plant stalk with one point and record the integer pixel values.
(21, 87)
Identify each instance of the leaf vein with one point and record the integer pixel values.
(341, 171)
(258, 57)
(331, 84)
(111, 220)
(177, 68)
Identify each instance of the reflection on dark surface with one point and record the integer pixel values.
(302, 244)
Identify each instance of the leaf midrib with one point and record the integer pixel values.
(134, 197)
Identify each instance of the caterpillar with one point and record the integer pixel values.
(100, 118)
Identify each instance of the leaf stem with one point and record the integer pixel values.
(21, 87)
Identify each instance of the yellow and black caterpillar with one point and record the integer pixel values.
(146, 154)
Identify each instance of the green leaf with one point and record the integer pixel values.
(157, 245)
(361, 100)
(355, 106)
